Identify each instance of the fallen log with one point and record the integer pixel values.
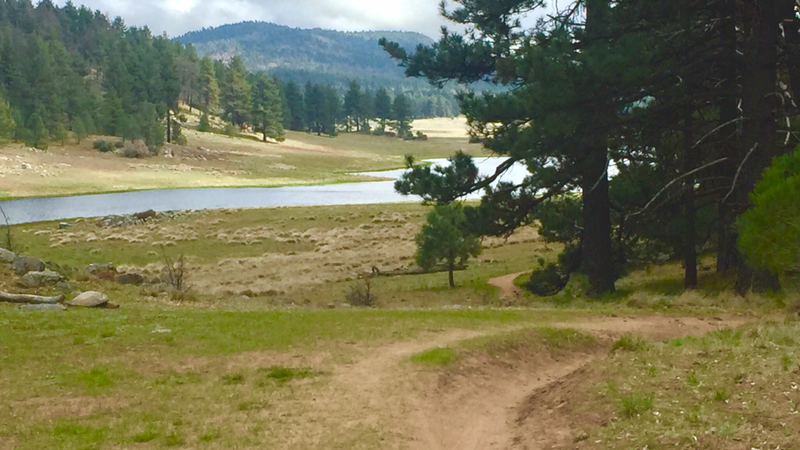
(30, 299)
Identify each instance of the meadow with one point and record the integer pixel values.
(267, 348)
(216, 160)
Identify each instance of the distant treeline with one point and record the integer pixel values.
(66, 72)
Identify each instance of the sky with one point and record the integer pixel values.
(176, 17)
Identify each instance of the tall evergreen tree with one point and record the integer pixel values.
(296, 119)
(352, 104)
(208, 89)
(401, 115)
(7, 124)
(267, 112)
(235, 97)
(383, 107)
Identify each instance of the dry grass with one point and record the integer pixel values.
(211, 160)
(286, 255)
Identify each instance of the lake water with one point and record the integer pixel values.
(41, 209)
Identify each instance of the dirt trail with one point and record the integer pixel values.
(508, 290)
(474, 407)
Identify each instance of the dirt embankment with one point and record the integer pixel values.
(478, 404)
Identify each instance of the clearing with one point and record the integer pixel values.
(215, 160)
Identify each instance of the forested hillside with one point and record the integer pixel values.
(73, 69)
(68, 72)
(324, 57)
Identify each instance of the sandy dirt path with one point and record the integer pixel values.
(508, 290)
(475, 407)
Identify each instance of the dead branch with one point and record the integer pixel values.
(29, 299)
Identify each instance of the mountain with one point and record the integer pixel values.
(319, 56)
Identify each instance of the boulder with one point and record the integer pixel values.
(38, 279)
(25, 264)
(90, 299)
(7, 256)
(130, 278)
(97, 267)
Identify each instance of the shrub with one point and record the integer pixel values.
(230, 130)
(135, 150)
(119, 144)
(769, 233)
(360, 294)
(204, 125)
(630, 343)
(633, 405)
(102, 146)
(180, 140)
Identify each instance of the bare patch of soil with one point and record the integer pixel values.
(59, 407)
(478, 405)
(508, 290)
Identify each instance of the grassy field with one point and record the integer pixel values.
(215, 160)
(265, 351)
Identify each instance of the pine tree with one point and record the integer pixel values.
(209, 90)
(204, 124)
(296, 119)
(267, 108)
(383, 107)
(38, 135)
(352, 103)
(235, 96)
(79, 129)
(445, 237)
(401, 115)
(7, 124)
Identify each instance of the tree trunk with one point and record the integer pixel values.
(169, 127)
(451, 267)
(597, 248)
(30, 299)
(729, 143)
(598, 257)
(791, 32)
(759, 130)
(689, 207)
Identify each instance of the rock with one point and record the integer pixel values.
(144, 215)
(38, 279)
(25, 264)
(97, 267)
(55, 307)
(64, 287)
(7, 256)
(130, 278)
(90, 299)
(63, 226)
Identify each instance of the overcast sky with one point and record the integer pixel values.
(176, 17)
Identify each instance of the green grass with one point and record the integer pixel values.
(436, 357)
(728, 389)
(629, 343)
(282, 375)
(633, 405)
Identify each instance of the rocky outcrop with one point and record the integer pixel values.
(25, 264)
(40, 279)
(7, 256)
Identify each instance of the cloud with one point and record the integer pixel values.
(176, 17)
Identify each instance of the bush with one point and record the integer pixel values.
(360, 294)
(180, 140)
(769, 233)
(119, 144)
(204, 125)
(230, 130)
(135, 150)
(102, 146)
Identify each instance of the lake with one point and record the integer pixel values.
(41, 209)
